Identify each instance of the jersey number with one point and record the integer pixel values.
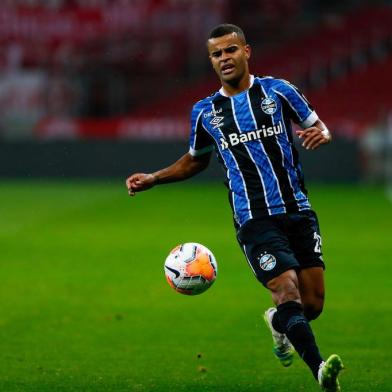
(317, 247)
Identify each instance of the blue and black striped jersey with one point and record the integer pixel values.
(252, 136)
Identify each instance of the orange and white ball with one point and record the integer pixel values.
(190, 268)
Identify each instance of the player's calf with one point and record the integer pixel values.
(292, 321)
(313, 310)
(298, 331)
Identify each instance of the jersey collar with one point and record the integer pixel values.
(251, 79)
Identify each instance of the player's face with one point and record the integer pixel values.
(229, 56)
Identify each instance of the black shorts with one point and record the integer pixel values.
(275, 244)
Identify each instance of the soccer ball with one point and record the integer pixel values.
(190, 268)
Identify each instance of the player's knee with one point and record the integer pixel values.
(284, 288)
(314, 307)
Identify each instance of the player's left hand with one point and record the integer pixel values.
(314, 137)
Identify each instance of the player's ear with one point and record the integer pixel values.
(248, 51)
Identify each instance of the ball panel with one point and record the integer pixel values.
(201, 267)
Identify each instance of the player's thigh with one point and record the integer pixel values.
(266, 248)
(284, 288)
(312, 290)
(305, 240)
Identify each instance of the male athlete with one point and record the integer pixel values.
(247, 122)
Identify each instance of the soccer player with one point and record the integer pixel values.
(248, 124)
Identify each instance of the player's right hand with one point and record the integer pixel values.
(140, 182)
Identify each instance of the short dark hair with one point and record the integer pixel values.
(227, 28)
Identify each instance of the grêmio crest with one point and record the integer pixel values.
(268, 105)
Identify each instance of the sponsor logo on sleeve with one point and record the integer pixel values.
(216, 120)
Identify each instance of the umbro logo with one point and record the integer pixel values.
(224, 143)
(216, 122)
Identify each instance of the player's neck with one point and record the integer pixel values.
(228, 90)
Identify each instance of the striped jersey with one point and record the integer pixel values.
(252, 136)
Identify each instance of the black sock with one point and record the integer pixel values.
(297, 329)
(276, 323)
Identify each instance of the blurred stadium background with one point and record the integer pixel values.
(88, 88)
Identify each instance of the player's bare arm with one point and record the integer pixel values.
(315, 136)
(186, 167)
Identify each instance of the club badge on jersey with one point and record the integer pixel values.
(268, 106)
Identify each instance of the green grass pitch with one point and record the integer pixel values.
(85, 306)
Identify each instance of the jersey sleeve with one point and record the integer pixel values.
(300, 110)
(200, 142)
